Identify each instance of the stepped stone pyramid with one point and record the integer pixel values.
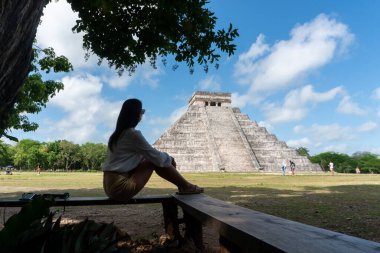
(213, 136)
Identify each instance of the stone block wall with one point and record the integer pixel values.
(221, 138)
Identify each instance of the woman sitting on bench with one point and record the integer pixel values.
(131, 160)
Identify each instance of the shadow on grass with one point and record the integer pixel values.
(349, 209)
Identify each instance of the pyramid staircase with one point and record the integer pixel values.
(268, 149)
(212, 136)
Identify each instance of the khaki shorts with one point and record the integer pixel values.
(119, 186)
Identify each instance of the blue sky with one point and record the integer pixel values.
(306, 70)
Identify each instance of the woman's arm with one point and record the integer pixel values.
(158, 158)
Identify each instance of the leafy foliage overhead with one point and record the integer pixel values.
(126, 33)
(36, 92)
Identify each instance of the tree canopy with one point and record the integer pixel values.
(124, 33)
(35, 93)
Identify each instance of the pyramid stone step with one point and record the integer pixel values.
(213, 136)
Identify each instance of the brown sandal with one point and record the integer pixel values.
(195, 190)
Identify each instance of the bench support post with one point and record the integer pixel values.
(170, 212)
(226, 246)
(193, 229)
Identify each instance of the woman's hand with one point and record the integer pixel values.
(174, 163)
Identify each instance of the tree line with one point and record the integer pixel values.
(64, 155)
(343, 163)
(61, 155)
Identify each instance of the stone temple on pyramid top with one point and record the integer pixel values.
(213, 136)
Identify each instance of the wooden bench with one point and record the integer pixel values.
(239, 229)
(244, 230)
(92, 201)
(169, 206)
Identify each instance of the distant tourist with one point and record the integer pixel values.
(283, 167)
(38, 169)
(331, 167)
(8, 171)
(292, 166)
(357, 170)
(131, 160)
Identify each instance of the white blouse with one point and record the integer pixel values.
(130, 149)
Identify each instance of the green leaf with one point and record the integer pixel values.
(36, 92)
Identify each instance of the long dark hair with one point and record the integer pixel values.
(129, 117)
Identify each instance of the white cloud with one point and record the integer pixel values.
(298, 129)
(368, 127)
(55, 31)
(376, 93)
(148, 75)
(144, 74)
(116, 81)
(311, 46)
(331, 132)
(296, 103)
(85, 110)
(210, 83)
(154, 131)
(347, 106)
(239, 100)
(173, 117)
(59, 35)
(340, 148)
(332, 137)
(78, 92)
(245, 65)
(278, 114)
(299, 143)
(325, 133)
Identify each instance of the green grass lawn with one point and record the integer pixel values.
(345, 203)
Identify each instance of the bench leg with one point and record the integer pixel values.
(193, 230)
(228, 247)
(170, 212)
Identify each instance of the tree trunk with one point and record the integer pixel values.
(19, 20)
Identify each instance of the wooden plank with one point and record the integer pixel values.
(258, 232)
(92, 201)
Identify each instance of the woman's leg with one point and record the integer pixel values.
(172, 175)
(143, 172)
(141, 175)
(123, 187)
